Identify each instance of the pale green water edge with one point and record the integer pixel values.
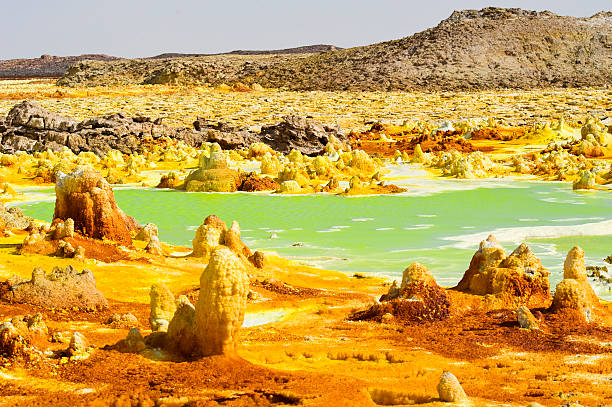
(384, 234)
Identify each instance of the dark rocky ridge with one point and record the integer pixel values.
(47, 66)
(50, 66)
(306, 49)
(30, 128)
(471, 50)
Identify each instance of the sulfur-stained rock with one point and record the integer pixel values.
(489, 254)
(12, 343)
(586, 180)
(519, 279)
(154, 246)
(88, 199)
(574, 268)
(450, 390)
(416, 272)
(290, 187)
(162, 307)
(214, 175)
(62, 288)
(392, 293)
(213, 233)
(209, 236)
(418, 157)
(134, 342)
(117, 321)
(181, 336)
(232, 240)
(78, 348)
(170, 180)
(145, 233)
(526, 319)
(418, 299)
(253, 182)
(570, 294)
(64, 229)
(258, 259)
(219, 312)
(13, 218)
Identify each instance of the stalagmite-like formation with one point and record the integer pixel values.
(86, 198)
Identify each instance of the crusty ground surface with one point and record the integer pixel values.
(313, 355)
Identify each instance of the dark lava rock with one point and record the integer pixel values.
(228, 137)
(295, 132)
(30, 128)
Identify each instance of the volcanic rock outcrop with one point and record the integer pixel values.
(419, 298)
(45, 66)
(30, 128)
(294, 132)
(518, 279)
(297, 133)
(61, 288)
(214, 233)
(228, 137)
(86, 198)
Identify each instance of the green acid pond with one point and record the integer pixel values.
(383, 234)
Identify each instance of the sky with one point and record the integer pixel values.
(136, 28)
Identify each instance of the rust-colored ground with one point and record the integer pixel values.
(311, 354)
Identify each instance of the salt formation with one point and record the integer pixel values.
(162, 307)
(209, 328)
(62, 288)
(575, 291)
(213, 175)
(214, 233)
(88, 199)
(17, 335)
(518, 279)
(219, 312)
(450, 390)
(419, 298)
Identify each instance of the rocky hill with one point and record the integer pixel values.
(472, 49)
(50, 66)
(306, 49)
(47, 66)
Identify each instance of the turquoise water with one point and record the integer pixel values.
(384, 234)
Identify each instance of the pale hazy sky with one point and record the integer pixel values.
(136, 28)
